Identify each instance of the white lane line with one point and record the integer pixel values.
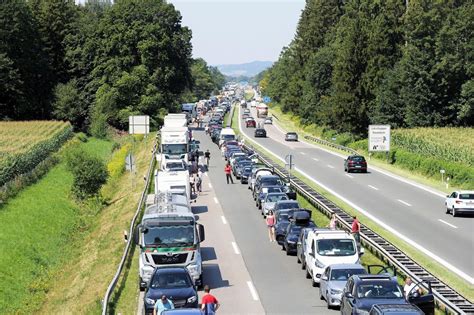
(236, 248)
(253, 292)
(223, 219)
(315, 159)
(384, 225)
(373, 187)
(215, 200)
(302, 153)
(349, 175)
(447, 223)
(404, 202)
(330, 166)
(210, 185)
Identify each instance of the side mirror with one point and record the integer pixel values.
(348, 295)
(447, 196)
(202, 235)
(362, 251)
(136, 234)
(324, 277)
(298, 243)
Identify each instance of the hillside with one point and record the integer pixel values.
(249, 69)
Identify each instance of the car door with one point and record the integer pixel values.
(450, 200)
(346, 302)
(425, 301)
(323, 284)
(311, 256)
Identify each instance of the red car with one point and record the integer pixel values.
(250, 123)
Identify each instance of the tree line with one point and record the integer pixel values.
(98, 63)
(358, 62)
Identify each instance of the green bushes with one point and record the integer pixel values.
(89, 173)
(116, 165)
(16, 164)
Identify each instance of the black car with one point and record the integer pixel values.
(260, 133)
(291, 136)
(175, 283)
(282, 220)
(355, 163)
(395, 309)
(363, 291)
(245, 174)
(298, 221)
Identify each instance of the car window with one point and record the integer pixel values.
(345, 274)
(336, 247)
(379, 290)
(358, 159)
(466, 196)
(170, 280)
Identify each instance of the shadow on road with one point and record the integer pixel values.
(199, 209)
(208, 253)
(212, 276)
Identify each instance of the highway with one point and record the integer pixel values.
(412, 212)
(279, 283)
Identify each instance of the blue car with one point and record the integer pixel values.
(175, 283)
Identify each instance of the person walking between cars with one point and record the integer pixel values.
(198, 183)
(192, 183)
(270, 219)
(228, 173)
(207, 156)
(209, 303)
(162, 304)
(356, 231)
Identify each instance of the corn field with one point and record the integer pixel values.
(449, 144)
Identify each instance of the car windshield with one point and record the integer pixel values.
(175, 148)
(175, 166)
(247, 170)
(275, 198)
(466, 196)
(336, 247)
(358, 159)
(291, 134)
(228, 137)
(169, 236)
(379, 290)
(344, 274)
(296, 229)
(288, 205)
(171, 280)
(271, 181)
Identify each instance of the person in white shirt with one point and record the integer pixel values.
(408, 287)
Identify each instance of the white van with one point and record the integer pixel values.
(325, 247)
(226, 135)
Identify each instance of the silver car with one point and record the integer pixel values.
(334, 280)
(270, 200)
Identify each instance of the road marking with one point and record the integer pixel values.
(215, 200)
(223, 219)
(447, 223)
(373, 187)
(236, 248)
(253, 292)
(404, 202)
(302, 153)
(375, 219)
(330, 166)
(349, 175)
(210, 185)
(315, 159)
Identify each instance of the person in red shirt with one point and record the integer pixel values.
(209, 303)
(356, 231)
(228, 173)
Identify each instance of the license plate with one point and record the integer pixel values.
(358, 166)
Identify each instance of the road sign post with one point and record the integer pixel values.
(379, 139)
(289, 163)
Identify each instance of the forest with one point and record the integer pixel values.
(358, 62)
(98, 63)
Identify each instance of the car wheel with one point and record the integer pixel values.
(321, 297)
(448, 211)
(298, 260)
(454, 212)
(287, 251)
(303, 265)
(348, 170)
(308, 276)
(314, 284)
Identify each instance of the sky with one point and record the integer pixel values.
(239, 31)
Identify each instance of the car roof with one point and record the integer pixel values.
(183, 311)
(291, 132)
(368, 277)
(276, 193)
(287, 201)
(346, 266)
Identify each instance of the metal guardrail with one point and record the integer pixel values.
(126, 251)
(452, 301)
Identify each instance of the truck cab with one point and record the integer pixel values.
(174, 144)
(325, 247)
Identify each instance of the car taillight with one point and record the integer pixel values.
(458, 202)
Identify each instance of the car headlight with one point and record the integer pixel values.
(290, 241)
(335, 291)
(192, 299)
(318, 264)
(362, 312)
(149, 301)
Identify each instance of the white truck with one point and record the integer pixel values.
(262, 110)
(169, 235)
(325, 247)
(175, 120)
(191, 109)
(174, 182)
(174, 144)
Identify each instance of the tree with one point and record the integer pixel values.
(69, 105)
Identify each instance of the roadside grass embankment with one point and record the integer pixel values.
(446, 275)
(80, 284)
(417, 154)
(38, 228)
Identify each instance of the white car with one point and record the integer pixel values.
(460, 202)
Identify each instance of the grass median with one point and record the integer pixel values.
(443, 273)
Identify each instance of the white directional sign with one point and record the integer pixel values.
(379, 138)
(138, 125)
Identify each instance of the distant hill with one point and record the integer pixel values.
(245, 69)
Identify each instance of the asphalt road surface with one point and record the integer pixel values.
(414, 212)
(278, 280)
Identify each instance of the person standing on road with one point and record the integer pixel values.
(162, 304)
(356, 231)
(192, 184)
(332, 223)
(209, 303)
(207, 156)
(270, 219)
(198, 183)
(228, 173)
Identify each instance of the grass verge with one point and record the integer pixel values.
(80, 284)
(444, 274)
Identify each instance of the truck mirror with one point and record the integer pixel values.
(202, 235)
(136, 234)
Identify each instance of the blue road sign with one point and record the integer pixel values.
(266, 99)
